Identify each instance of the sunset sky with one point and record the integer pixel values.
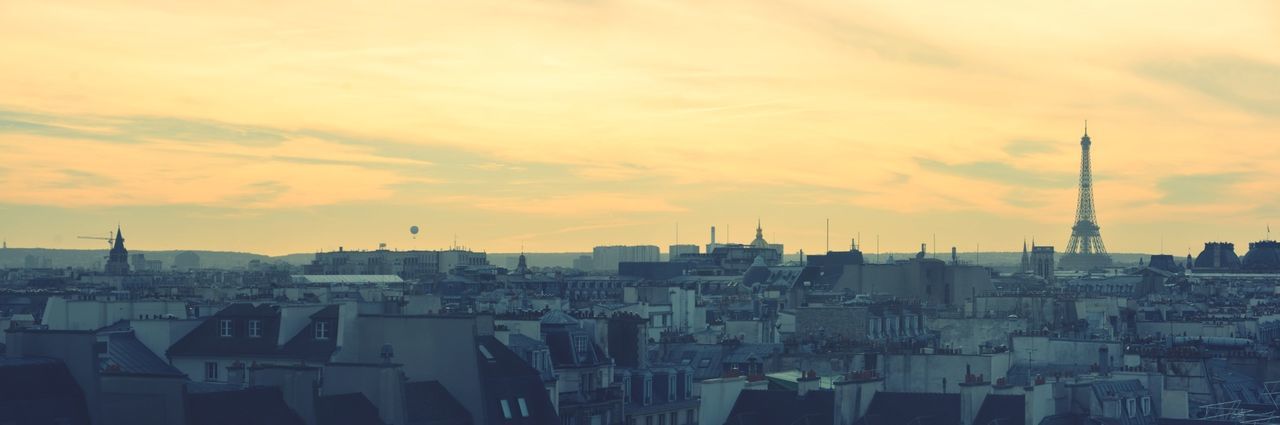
(279, 127)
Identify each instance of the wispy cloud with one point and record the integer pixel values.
(1199, 188)
(1243, 83)
(1022, 148)
(998, 172)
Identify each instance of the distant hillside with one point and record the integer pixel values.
(92, 258)
(295, 259)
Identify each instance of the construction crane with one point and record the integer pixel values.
(111, 240)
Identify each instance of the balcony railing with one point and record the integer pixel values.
(598, 395)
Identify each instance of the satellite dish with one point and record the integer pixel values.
(413, 230)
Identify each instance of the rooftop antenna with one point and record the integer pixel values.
(828, 235)
(935, 245)
(877, 247)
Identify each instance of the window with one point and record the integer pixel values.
(662, 419)
(580, 344)
(674, 418)
(688, 417)
(704, 363)
(211, 371)
(255, 328)
(1146, 406)
(648, 420)
(524, 408)
(322, 330)
(224, 328)
(1133, 407)
(506, 409)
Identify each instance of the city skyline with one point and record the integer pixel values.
(271, 129)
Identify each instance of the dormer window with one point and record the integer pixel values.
(1146, 406)
(224, 328)
(322, 330)
(580, 344)
(524, 408)
(1133, 407)
(255, 328)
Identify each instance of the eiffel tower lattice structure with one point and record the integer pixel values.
(1085, 251)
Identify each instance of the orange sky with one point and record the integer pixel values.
(280, 127)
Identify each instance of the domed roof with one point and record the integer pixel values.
(1263, 256)
(759, 241)
(1218, 256)
(558, 317)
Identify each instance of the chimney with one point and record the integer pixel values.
(235, 374)
(973, 391)
(299, 384)
(806, 383)
(718, 397)
(1104, 361)
(853, 393)
(713, 235)
(1038, 401)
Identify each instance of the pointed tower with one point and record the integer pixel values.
(1026, 258)
(759, 241)
(1085, 251)
(118, 259)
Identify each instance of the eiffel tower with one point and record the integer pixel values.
(1085, 251)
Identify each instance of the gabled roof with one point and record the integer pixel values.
(770, 407)
(429, 403)
(39, 390)
(892, 408)
(127, 355)
(249, 406)
(346, 409)
(1002, 409)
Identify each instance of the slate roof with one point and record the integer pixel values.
(429, 403)
(248, 406)
(346, 409)
(127, 355)
(505, 376)
(703, 358)
(304, 345)
(771, 407)
(40, 390)
(559, 340)
(206, 339)
(892, 408)
(1001, 409)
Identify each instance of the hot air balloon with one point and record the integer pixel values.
(413, 230)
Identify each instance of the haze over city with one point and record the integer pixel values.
(560, 125)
